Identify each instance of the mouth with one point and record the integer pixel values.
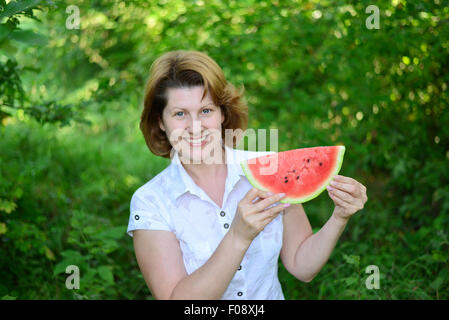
(197, 142)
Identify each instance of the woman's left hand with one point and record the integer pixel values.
(349, 196)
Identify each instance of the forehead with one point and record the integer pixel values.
(187, 97)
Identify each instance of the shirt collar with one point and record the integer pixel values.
(183, 182)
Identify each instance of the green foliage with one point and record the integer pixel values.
(311, 69)
(12, 94)
(59, 210)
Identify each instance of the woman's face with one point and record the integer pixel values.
(193, 127)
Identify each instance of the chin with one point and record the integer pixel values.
(205, 154)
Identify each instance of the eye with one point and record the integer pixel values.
(179, 113)
(208, 110)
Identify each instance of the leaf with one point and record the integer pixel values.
(72, 254)
(439, 257)
(112, 233)
(106, 274)
(436, 284)
(7, 47)
(49, 254)
(351, 280)
(349, 292)
(352, 259)
(109, 246)
(18, 193)
(4, 31)
(28, 37)
(60, 267)
(89, 275)
(3, 228)
(15, 7)
(7, 206)
(71, 257)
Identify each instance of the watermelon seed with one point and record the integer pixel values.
(308, 160)
(297, 177)
(321, 164)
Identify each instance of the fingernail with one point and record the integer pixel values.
(281, 195)
(286, 205)
(329, 188)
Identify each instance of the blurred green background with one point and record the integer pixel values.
(71, 152)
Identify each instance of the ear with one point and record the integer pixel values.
(161, 125)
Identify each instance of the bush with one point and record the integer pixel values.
(66, 202)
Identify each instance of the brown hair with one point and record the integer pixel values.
(182, 68)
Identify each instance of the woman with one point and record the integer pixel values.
(200, 230)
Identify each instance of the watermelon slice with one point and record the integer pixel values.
(302, 174)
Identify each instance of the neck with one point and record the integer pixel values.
(202, 171)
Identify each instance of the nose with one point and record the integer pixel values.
(195, 127)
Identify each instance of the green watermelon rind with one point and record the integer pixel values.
(255, 184)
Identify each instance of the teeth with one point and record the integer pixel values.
(196, 141)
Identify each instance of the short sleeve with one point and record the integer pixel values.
(146, 214)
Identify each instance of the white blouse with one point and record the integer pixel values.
(172, 201)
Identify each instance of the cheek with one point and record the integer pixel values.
(174, 128)
(212, 122)
(213, 127)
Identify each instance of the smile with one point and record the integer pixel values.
(197, 142)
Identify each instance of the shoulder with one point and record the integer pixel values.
(153, 191)
(148, 206)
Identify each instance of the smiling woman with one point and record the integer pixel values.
(200, 230)
(186, 69)
(194, 125)
(194, 221)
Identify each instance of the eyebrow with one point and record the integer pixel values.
(206, 105)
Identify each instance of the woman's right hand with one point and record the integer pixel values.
(252, 217)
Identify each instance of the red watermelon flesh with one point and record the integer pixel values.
(302, 174)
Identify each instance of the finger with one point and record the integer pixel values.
(344, 179)
(347, 187)
(259, 206)
(250, 195)
(355, 201)
(346, 200)
(271, 213)
(253, 193)
(343, 195)
(338, 201)
(348, 180)
(257, 199)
